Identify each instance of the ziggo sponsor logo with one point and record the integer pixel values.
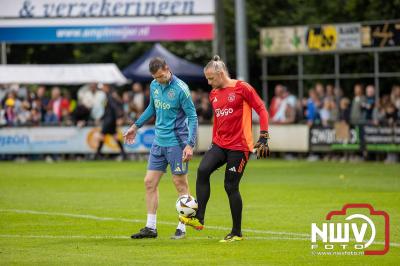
(161, 105)
(223, 112)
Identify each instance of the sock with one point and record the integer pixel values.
(151, 221)
(99, 147)
(121, 147)
(181, 226)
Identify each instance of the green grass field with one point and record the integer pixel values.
(84, 212)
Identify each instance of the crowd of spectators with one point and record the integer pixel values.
(325, 105)
(51, 106)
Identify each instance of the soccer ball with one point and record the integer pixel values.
(186, 205)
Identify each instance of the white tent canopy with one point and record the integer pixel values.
(61, 74)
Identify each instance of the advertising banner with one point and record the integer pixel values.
(322, 38)
(382, 138)
(45, 21)
(381, 35)
(327, 139)
(65, 140)
(349, 36)
(330, 37)
(283, 40)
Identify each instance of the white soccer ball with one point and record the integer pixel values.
(186, 205)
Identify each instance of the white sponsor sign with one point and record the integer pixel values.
(349, 36)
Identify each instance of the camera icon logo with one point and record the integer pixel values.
(356, 229)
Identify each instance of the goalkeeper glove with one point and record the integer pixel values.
(262, 149)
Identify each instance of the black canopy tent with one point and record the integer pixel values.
(185, 70)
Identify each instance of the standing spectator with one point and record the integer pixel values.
(205, 113)
(327, 112)
(12, 105)
(391, 117)
(196, 98)
(3, 120)
(359, 100)
(92, 99)
(22, 91)
(337, 96)
(147, 95)
(36, 116)
(44, 101)
(138, 98)
(24, 114)
(3, 93)
(50, 117)
(312, 113)
(286, 112)
(276, 102)
(320, 92)
(128, 107)
(344, 110)
(395, 98)
(152, 120)
(58, 104)
(330, 92)
(368, 106)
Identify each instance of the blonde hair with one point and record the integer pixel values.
(217, 65)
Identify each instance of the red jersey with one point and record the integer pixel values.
(232, 106)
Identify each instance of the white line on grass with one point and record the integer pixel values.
(97, 218)
(285, 235)
(164, 238)
(127, 237)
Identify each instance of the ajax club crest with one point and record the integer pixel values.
(231, 97)
(171, 94)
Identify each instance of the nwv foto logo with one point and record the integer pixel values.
(351, 232)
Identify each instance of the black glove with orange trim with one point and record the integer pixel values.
(262, 149)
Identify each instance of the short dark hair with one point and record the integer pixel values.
(156, 63)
